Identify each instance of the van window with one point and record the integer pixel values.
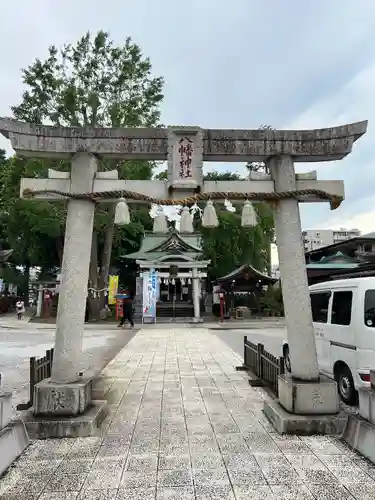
(370, 308)
(319, 306)
(342, 308)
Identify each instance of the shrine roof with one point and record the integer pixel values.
(332, 265)
(338, 258)
(341, 246)
(5, 254)
(246, 272)
(154, 256)
(157, 245)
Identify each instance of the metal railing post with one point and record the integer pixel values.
(245, 351)
(260, 361)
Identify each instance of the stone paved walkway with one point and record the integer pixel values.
(185, 425)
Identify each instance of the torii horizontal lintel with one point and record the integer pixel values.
(157, 192)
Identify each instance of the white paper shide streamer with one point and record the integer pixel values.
(160, 222)
(186, 221)
(122, 215)
(249, 215)
(209, 218)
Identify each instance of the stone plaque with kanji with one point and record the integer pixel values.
(185, 157)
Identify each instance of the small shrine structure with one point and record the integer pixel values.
(244, 281)
(176, 256)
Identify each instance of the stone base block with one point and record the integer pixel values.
(197, 320)
(308, 398)
(62, 399)
(360, 436)
(303, 425)
(5, 408)
(367, 404)
(13, 441)
(66, 427)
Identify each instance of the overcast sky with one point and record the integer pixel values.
(237, 64)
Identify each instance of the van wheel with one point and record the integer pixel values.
(345, 384)
(287, 363)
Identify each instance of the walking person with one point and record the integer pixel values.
(127, 308)
(20, 308)
(87, 311)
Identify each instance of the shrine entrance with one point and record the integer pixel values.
(177, 289)
(176, 257)
(185, 149)
(175, 298)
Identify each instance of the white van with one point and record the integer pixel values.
(344, 323)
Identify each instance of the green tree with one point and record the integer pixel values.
(33, 230)
(222, 176)
(162, 176)
(230, 245)
(259, 166)
(92, 83)
(95, 83)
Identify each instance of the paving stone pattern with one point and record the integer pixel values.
(183, 424)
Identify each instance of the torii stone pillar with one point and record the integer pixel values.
(195, 280)
(186, 148)
(74, 272)
(294, 283)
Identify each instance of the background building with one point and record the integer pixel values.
(344, 259)
(317, 238)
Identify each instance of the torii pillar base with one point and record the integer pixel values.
(308, 397)
(54, 399)
(64, 410)
(305, 408)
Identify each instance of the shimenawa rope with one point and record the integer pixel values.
(190, 200)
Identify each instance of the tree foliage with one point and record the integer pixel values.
(29, 228)
(222, 176)
(230, 245)
(99, 84)
(259, 166)
(162, 176)
(93, 82)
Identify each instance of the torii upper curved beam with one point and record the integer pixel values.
(152, 143)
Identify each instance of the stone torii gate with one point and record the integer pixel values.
(185, 149)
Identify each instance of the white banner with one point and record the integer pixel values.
(149, 294)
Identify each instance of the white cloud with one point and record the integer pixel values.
(352, 102)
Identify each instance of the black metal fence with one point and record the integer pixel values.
(40, 368)
(263, 365)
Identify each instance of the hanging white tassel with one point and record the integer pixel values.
(189, 281)
(186, 221)
(122, 216)
(249, 215)
(173, 281)
(160, 222)
(209, 218)
(183, 281)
